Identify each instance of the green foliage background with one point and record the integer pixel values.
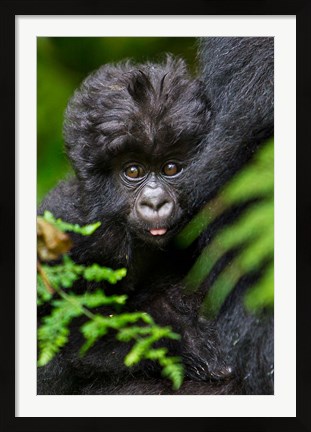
(62, 63)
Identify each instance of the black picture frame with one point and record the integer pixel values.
(302, 10)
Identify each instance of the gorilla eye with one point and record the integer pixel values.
(171, 169)
(134, 171)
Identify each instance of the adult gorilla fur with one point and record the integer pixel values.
(211, 125)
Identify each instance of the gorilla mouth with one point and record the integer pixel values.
(158, 231)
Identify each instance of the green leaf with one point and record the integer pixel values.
(43, 295)
(97, 273)
(99, 298)
(261, 295)
(65, 226)
(92, 331)
(175, 372)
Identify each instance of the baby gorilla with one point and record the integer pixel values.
(133, 134)
(135, 137)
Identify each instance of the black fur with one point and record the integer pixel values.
(215, 124)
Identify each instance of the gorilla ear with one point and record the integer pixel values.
(139, 86)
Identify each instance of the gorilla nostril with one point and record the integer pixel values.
(145, 210)
(165, 209)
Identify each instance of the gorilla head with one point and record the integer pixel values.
(132, 134)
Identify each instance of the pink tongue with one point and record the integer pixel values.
(159, 231)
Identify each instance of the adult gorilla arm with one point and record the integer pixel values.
(238, 73)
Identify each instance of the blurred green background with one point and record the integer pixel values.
(62, 63)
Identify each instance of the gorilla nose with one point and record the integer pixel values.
(155, 205)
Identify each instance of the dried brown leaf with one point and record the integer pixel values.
(51, 242)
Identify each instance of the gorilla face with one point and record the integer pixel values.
(153, 190)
